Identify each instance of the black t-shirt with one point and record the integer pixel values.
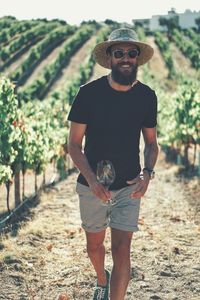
(114, 121)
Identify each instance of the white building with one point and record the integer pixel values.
(185, 20)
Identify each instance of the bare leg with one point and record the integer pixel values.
(121, 241)
(96, 253)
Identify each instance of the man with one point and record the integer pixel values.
(111, 112)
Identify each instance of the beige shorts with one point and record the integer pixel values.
(95, 216)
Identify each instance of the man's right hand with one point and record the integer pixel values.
(100, 191)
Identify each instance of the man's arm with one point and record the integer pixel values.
(150, 157)
(76, 135)
(151, 147)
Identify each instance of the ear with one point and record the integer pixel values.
(109, 58)
(108, 54)
(109, 62)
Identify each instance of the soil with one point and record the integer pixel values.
(46, 255)
(73, 66)
(181, 63)
(8, 71)
(40, 68)
(157, 64)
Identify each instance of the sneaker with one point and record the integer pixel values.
(102, 292)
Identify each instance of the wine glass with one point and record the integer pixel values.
(106, 175)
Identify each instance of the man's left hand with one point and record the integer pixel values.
(140, 185)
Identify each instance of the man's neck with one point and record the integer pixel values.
(119, 87)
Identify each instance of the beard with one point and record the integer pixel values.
(124, 77)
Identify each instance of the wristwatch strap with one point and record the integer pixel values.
(148, 169)
(151, 172)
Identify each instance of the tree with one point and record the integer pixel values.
(170, 23)
(197, 21)
(112, 23)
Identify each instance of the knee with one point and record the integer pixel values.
(93, 247)
(121, 251)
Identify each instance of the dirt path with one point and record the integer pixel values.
(157, 63)
(8, 71)
(48, 256)
(45, 62)
(181, 63)
(73, 66)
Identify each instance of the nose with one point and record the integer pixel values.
(126, 57)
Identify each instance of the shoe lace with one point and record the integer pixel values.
(100, 293)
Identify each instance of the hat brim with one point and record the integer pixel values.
(101, 55)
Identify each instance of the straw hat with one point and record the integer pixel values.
(122, 35)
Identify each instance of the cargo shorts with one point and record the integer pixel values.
(96, 216)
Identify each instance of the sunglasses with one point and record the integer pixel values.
(118, 54)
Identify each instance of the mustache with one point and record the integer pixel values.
(134, 67)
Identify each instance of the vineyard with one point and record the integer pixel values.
(34, 132)
(38, 83)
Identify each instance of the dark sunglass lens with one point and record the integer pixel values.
(133, 53)
(118, 53)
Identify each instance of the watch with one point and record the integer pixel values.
(151, 172)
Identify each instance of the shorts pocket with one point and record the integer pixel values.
(82, 189)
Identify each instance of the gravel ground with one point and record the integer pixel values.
(46, 255)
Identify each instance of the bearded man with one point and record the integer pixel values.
(111, 112)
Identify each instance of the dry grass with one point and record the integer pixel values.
(48, 256)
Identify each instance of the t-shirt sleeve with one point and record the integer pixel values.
(79, 111)
(150, 119)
